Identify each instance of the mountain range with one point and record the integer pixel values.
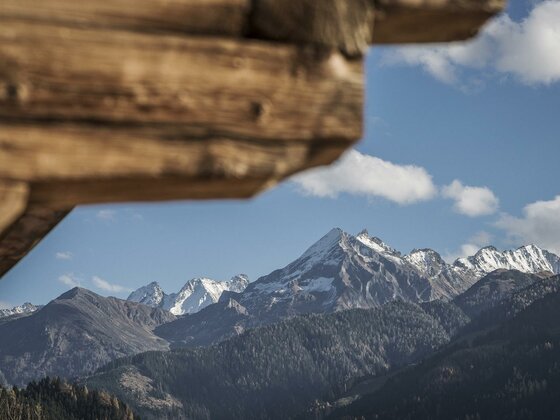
(342, 271)
(20, 310)
(361, 362)
(75, 334)
(310, 310)
(196, 294)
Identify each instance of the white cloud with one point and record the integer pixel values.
(477, 241)
(471, 201)
(528, 50)
(106, 214)
(360, 174)
(63, 255)
(70, 280)
(540, 224)
(108, 287)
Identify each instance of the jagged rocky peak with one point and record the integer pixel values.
(238, 283)
(23, 309)
(528, 259)
(196, 294)
(426, 260)
(151, 295)
(375, 243)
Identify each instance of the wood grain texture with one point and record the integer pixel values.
(214, 86)
(206, 17)
(61, 154)
(13, 201)
(346, 25)
(423, 21)
(25, 232)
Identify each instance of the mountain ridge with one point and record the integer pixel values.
(196, 294)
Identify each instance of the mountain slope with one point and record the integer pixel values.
(195, 295)
(511, 372)
(273, 371)
(340, 271)
(57, 400)
(75, 334)
(492, 289)
(527, 259)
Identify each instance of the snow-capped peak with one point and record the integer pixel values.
(325, 244)
(151, 295)
(26, 308)
(196, 294)
(238, 283)
(375, 243)
(528, 259)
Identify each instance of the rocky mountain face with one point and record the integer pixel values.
(75, 334)
(24, 309)
(342, 271)
(510, 371)
(493, 288)
(195, 295)
(527, 259)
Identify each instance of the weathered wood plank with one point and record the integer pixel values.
(215, 86)
(13, 201)
(25, 232)
(421, 21)
(213, 17)
(346, 25)
(63, 153)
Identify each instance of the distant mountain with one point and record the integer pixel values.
(507, 373)
(342, 271)
(274, 371)
(515, 303)
(75, 334)
(24, 309)
(195, 295)
(527, 259)
(493, 288)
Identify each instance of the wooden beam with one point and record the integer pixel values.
(203, 17)
(424, 21)
(13, 201)
(208, 86)
(172, 99)
(25, 232)
(346, 25)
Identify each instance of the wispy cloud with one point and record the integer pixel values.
(528, 50)
(475, 242)
(539, 224)
(106, 215)
(369, 176)
(471, 201)
(63, 255)
(70, 280)
(108, 287)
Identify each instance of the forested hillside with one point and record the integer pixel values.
(512, 372)
(273, 371)
(57, 400)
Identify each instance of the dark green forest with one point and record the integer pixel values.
(55, 399)
(277, 370)
(510, 372)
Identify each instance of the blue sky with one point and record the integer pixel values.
(461, 149)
